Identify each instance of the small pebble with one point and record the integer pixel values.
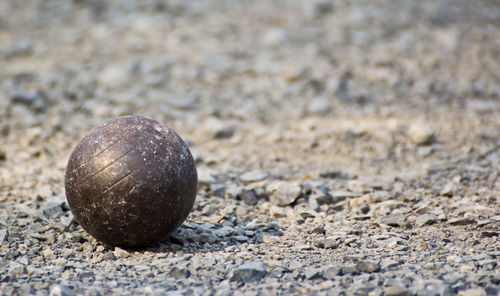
(448, 189)
(461, 221)
(248, 196)
(319, 230)
(350, 269)
(205, 177)
(425, 219)
(4, 234)
(421, 134)
(284, 193)
(313, 273)
(121, 253)
(327, 243)
(249, 272)
(331, 272)
(335, 174)
(253, 176)
(394, 220)
(179, 272)
(368, 266)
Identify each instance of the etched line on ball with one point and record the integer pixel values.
(118, 181)
(104, 150)
(109, 164)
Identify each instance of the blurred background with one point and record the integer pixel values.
(291, 87)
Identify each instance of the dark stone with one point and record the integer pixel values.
(131, 182)
(249, 272)
(394, 220)
(492, 290)
(5, 131)
(224, 133)
(219, 191)
(249, 197)
(175, 240)
(319, 230)
(336, 174)
(179, 272)
(37, 101)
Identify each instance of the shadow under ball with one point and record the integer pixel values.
(131, 182)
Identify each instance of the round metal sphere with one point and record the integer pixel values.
(131, 181)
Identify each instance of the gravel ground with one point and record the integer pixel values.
(343, 148)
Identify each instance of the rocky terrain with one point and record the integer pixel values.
(342, 147)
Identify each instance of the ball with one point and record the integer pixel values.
(130, 182)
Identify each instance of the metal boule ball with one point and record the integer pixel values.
(131, 181)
